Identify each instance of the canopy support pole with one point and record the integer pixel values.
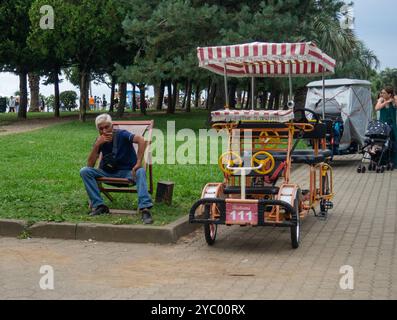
(252, 92)
(323, 95)
(226, 92)
(290, 81)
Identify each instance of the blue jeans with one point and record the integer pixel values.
(90, 174)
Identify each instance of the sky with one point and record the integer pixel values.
(375, 24)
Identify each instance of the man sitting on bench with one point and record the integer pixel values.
(119, 160)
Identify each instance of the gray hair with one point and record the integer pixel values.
(102, 118)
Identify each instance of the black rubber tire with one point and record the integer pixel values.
(382, 169)
(295, 230)
(210, 229)
(363, 169)
(359, 170)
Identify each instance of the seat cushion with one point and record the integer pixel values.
(302, 156)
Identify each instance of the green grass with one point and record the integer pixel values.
(40, 181)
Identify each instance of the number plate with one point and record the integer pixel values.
(242, 213)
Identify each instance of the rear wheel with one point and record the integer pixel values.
(295, 230)
(210, 229)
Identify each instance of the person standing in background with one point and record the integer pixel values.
(12, 104)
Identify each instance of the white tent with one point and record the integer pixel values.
(345, 98)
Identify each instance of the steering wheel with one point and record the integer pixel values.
(304, 118)
(231, 159)
(267, 163)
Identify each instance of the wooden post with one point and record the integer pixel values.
(164, 191)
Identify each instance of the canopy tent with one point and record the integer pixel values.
(260, 59)
(348, 99)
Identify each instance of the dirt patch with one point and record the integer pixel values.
(35, 124)
(32, 124)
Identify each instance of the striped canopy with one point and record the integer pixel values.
(259, 59)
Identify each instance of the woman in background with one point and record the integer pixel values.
(386, 105)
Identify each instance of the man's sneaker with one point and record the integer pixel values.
(146, 216)
(101, 209)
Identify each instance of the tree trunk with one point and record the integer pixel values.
(142, 91)
(159, 96)
(134, 102)
(197, 95)
(84, 87)
(220, 100)
(23, 98)
(57, 103)
(183, 106)
(232, 94)
(239, 94)
(211, 96)
(111, 107)
(34, 86)
(188, 95)
(122, 99)
(277, 100)
(170, 104)
(263, 100)
(285, 100)
(174, 95)
(207, 101)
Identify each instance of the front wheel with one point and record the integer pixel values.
(295, 230)
(210, 229)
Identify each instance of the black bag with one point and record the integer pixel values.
(109, 162)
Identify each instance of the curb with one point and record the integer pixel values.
(100, 232)
(12, 228)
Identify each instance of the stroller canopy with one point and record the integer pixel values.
(347, 99)
(260, 59)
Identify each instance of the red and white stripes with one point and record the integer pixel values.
(266, 59)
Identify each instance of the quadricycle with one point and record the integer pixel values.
(265, 145)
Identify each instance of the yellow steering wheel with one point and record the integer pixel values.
(271, 140)
(267, 163)
(231, 159)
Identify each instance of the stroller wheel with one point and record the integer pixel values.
(363, 169)
(377, 169)
(382, 169)
(359, 170)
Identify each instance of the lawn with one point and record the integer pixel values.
(40, 181)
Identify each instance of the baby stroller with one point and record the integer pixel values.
(378, 148)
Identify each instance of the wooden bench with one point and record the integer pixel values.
(140, 128)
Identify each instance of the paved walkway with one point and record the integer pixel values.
(245, 263)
